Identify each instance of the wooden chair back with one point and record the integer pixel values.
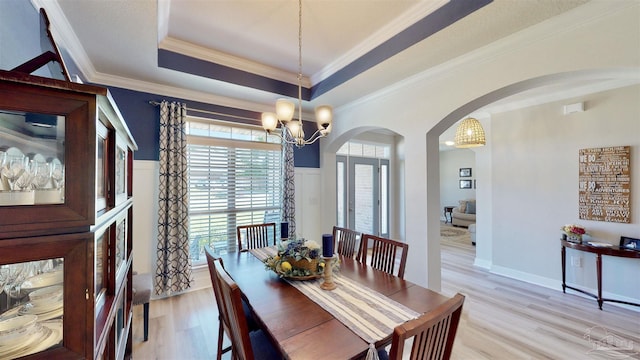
(229, 300)
(433, 333)
(346, 242)
(216, 290)
(383, 254)
(256, 236)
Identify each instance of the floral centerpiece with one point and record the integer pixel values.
(574, 232)
(297, 259)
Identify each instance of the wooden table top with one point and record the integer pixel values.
(303, 329)
(612, 250)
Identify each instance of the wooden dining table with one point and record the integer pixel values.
(301, 328)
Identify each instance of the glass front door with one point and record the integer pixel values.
(362, 194)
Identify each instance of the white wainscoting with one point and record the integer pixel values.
(145, 207)
(308, 204)
(145, 215)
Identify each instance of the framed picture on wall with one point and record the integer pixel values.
(465, 172)
(629, 243)
(465, 184)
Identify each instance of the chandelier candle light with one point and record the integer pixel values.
(285, 109)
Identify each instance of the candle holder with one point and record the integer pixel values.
(328, 283)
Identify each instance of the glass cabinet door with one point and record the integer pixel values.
(31, 307)
(43, 295)
(102, 168)
(121, 168)
(46, 171)
(31, 158)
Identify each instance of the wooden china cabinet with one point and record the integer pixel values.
(65, 219)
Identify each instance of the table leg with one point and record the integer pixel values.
(599, 272)
(563, 258)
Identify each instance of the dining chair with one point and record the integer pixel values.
(256, 236)
(433, 333)
(383, 253)
(346, 242)
(211, 260)
(141, 289)
(245, 345)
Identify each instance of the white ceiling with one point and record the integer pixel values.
(116, 42)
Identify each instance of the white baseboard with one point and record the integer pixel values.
(526, 277)
(554, 284)
(485, 264)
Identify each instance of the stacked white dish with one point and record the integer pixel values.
(14, 330)
(25, 330)
(41, 336)
(16, 333)
(43, 280)
(47, 303)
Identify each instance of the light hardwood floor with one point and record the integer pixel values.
(502, 319)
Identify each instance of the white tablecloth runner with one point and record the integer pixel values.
(369, 314)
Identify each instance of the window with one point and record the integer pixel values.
(234, 179)
(358, 149)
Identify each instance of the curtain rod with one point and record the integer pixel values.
(155, 103)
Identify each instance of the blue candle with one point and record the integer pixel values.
(327, 245)
(284, 230)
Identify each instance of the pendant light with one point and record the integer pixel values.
(470, 134)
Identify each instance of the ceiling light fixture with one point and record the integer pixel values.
(285, 109)
(470, 134)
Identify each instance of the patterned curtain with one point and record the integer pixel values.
(288, 186)
(173, 273)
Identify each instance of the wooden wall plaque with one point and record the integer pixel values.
(605, 184)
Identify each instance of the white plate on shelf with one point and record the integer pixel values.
(48, 312)
(27, 340)
(43, 280)
(50, 335)
(42, 308)
(598, 244)
(54, 336)
(13, 312)
(46, 294)
(51, 314)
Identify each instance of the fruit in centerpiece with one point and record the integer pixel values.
(285, 266)
(297, 258)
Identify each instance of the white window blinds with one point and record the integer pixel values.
(231, 182)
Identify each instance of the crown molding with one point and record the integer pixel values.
(180, 93)
(235, 62)
(408, 18)
(66, 37)
(572, 20)
(417, 12)
(172, 91)
(576, 18)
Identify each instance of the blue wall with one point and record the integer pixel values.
(19, 35)
(143, 120)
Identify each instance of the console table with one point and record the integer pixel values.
(599, 251)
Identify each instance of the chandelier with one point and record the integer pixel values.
(469, 134)
(292, 132)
